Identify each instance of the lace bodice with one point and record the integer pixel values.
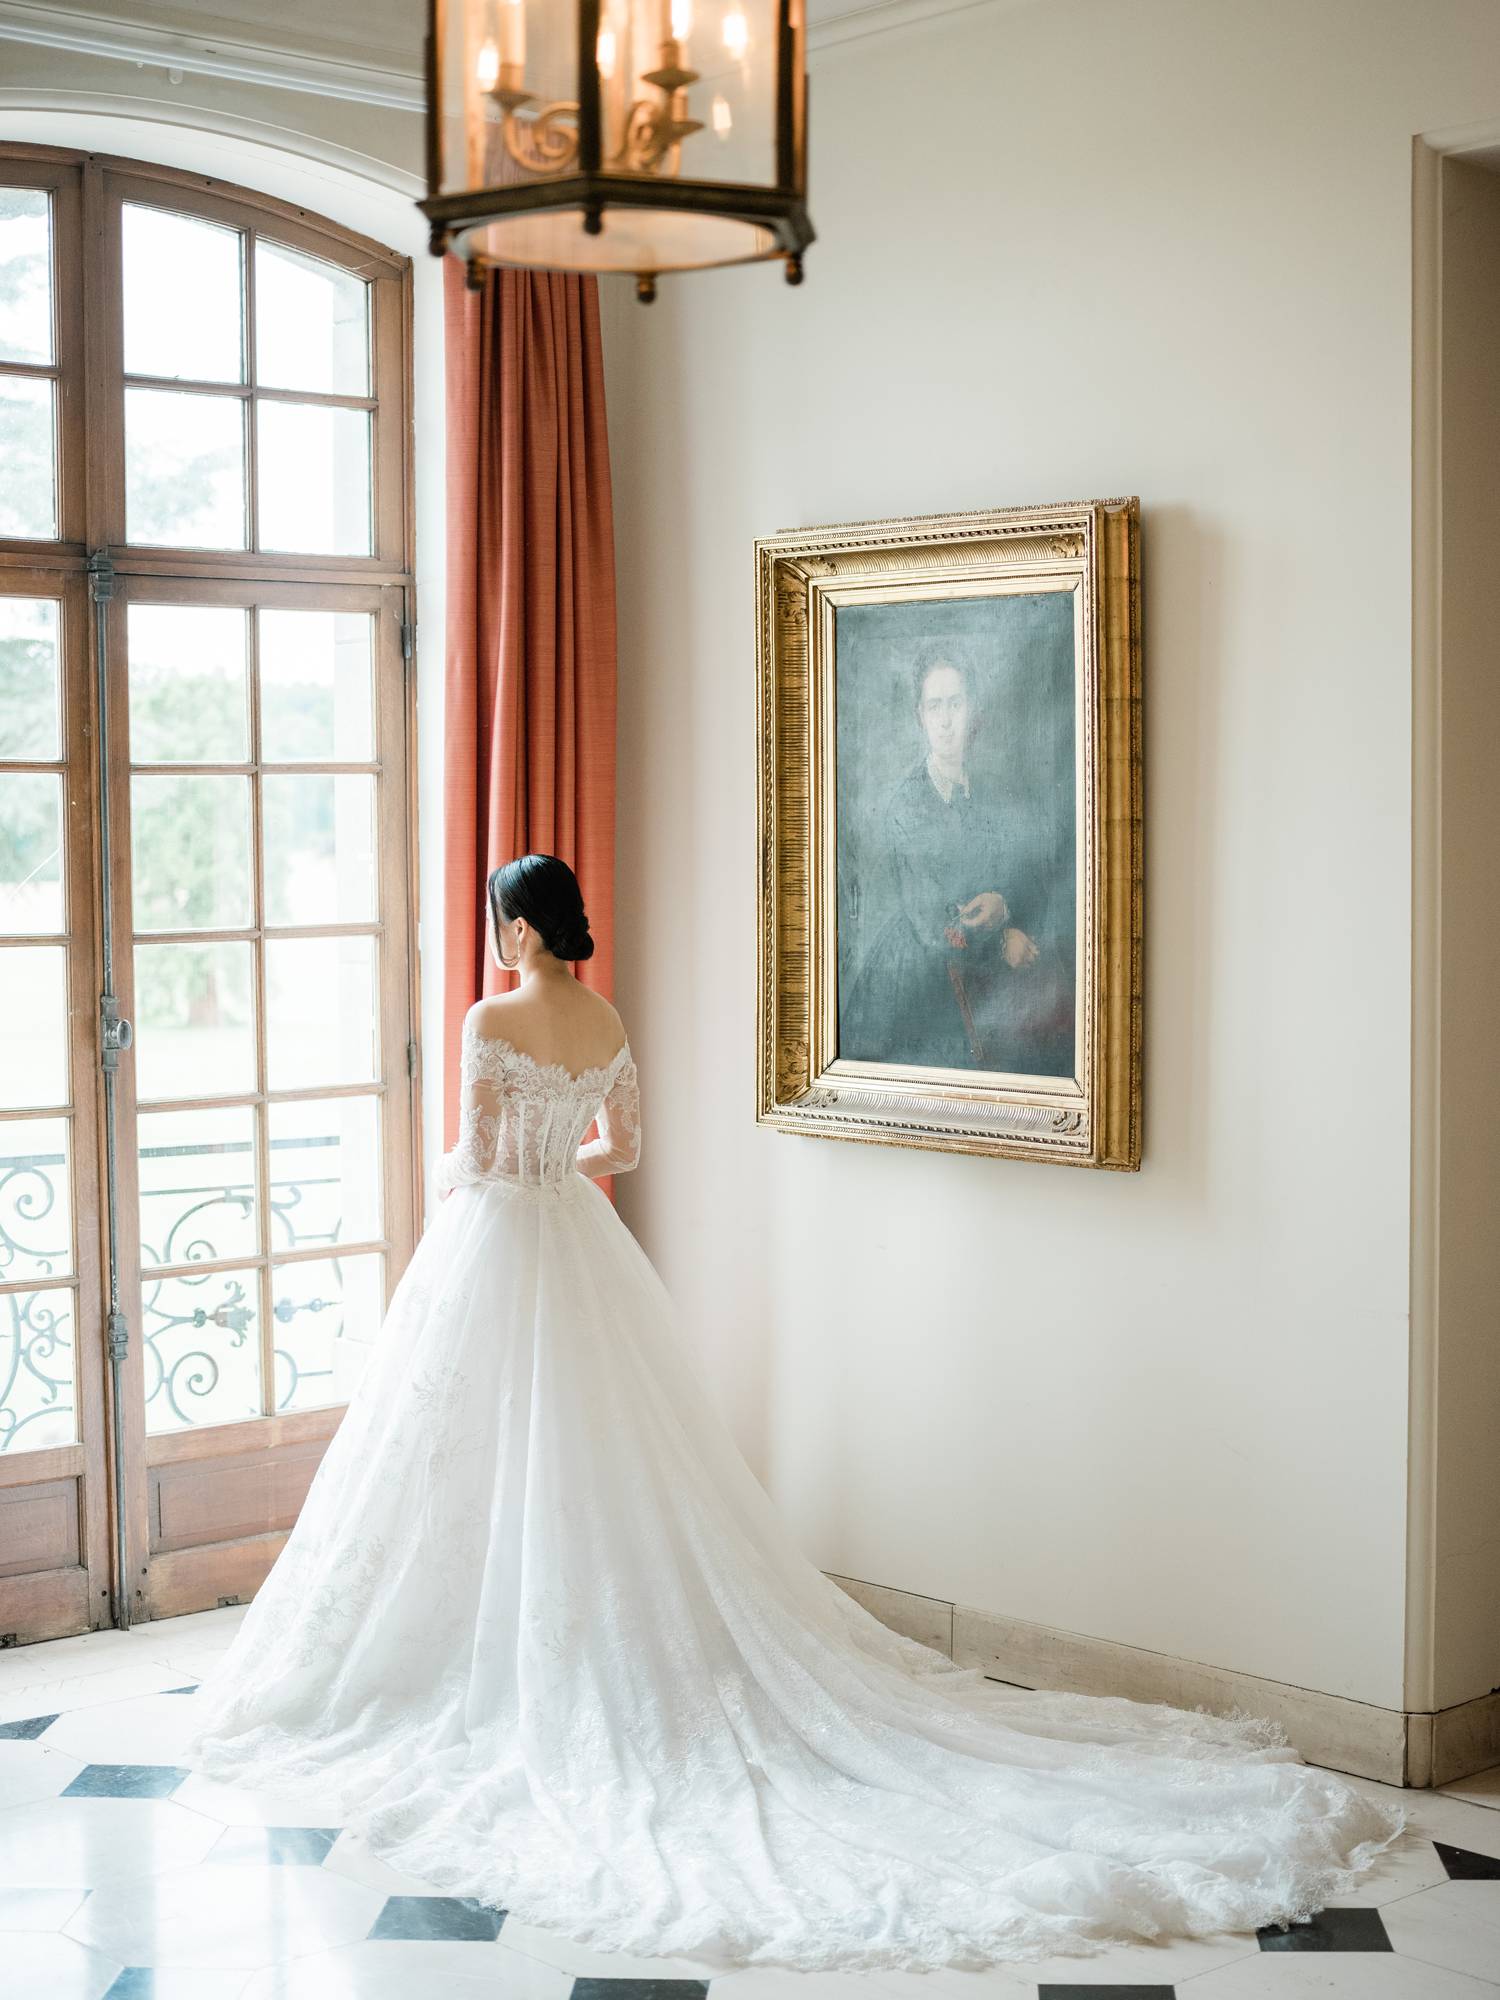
(521, 1120)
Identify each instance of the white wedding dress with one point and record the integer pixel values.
(541, 1637)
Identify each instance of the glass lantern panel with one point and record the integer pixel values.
(688, 89)
(509, 93)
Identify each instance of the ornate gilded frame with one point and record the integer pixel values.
(1091, 547)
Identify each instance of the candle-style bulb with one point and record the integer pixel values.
(736, 35)
(487, 68)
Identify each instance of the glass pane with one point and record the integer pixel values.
(28, 488)
(314, 473)
(29, 720)
(25, 275)
(36, 1203)
(325, 1172)
(31, 897)
(320, 849)
(184, 286)
(190, 852)
(34, 1013)
(188, 702)
(184, 469)
(312, 323)
(197, 1174)
(730, 45)
(320, 1011)
(327, 1316)
(201, 1349)
(315, 692)
(194, 1023)
(37, 1401)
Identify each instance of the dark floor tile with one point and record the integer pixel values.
(1462, 1866)
(191, 1688)
(1330, 1930)
(32, 1726)
(125, 1781)
(136, 1982)
(262, 1844)
(1087, 1992)
(639, 1989)
(437, 1917)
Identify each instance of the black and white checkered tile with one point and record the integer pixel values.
(124, 1875)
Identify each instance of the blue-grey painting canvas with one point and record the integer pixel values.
(957, 843)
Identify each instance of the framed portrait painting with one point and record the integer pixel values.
(951, 832)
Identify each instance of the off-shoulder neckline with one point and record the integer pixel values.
(596, 1072)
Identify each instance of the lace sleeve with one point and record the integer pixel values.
(618, 1146)
(473, 1155)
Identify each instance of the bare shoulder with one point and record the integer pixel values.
(487, 1016)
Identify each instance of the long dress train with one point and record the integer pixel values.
(541, 1637)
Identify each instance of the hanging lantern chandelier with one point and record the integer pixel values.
(618, 135)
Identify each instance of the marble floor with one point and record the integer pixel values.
(122, 1874)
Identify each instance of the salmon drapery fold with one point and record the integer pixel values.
(529, 724)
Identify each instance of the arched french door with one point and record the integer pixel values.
(208, 1141)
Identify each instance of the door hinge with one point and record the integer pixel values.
(408, 641)
(115, 1032)
(411, 1058)
(118, 1332)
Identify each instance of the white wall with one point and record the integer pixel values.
(1066, 250)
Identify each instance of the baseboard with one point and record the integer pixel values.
(1390, 1745)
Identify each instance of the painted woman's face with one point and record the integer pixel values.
(944, 714)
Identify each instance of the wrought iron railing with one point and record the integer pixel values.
(36, 1344)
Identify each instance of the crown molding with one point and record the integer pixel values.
(75, 31)
(79, 33)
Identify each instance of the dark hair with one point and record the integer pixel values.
(934, 653)
(544, 892)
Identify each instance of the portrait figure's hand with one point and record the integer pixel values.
(1019, 949)
(957, 938)
(985, 912)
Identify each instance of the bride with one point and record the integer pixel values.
(540, 1636)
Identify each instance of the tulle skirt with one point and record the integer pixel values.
(542, 1639)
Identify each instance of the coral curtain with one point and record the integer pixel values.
(529, 753)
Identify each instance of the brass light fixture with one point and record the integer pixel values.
(618, 135)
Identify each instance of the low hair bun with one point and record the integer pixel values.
(545, 892)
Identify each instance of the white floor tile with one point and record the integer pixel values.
(350, 1855)
(1457, 1926)
(1436, 1816)
(36, 1964)
(1333, 1975)
(1164, 1964)
(1410, 1865)
(84, 1653)
(1483, 1789)
(775, 1983)
(232, 1805)
(31, 1769)
(38, 1909)
(146, 1729)
(550, 1949)
(402, 1970)
(63, 1692)
(227, 1917)
(59, 1842)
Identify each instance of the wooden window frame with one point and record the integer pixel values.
(89, 191)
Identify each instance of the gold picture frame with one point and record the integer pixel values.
(858, 1036)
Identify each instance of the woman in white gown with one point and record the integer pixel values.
(540, 1636)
